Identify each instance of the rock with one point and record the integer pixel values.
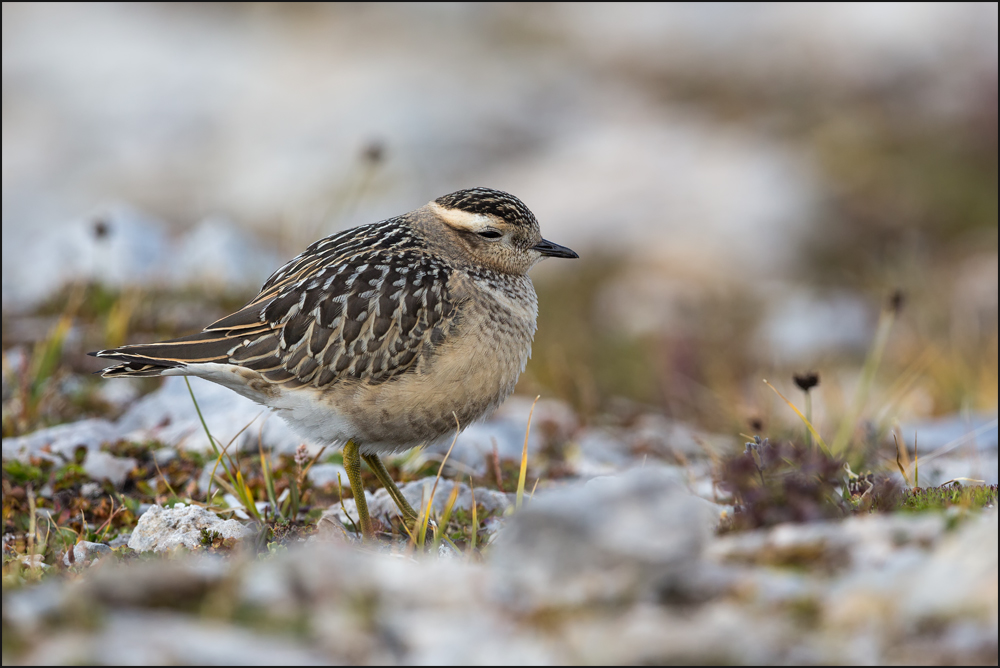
(105, 466)
(118, 247)
(121, 392)
(164, 456)
(33, 561)
(85, 552)
(644, 634)
(856, 542)
(417, 493)
(634, 536)
(168, 415)
(90, 489)
(157, 583)
(955, 446)
(62, 440)
(26, 609)
(474, 447)
(959, 579)
(321, 475)
(160, 529)
(121, 540)
(141, 637)
(330, 529)
(122, 247)
(601, 451)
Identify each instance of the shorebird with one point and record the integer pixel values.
(382, 337)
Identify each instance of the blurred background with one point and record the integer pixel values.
(746, 184)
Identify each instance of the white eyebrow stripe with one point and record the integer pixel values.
(462, 220)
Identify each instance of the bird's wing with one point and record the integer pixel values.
(362, 304)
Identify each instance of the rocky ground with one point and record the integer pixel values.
(640, 580)
(623, 554)
(746, 186)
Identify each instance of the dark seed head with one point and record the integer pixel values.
(896, 300)
(806, 381)
(101, 228)
(373, 152)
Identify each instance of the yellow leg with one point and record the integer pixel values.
(376, 465)
(352, 462)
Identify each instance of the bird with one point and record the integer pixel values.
(382, 337)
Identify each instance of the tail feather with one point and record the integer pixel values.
(152, 359)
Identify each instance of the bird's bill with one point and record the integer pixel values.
(549, 249)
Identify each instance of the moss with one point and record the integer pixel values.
(923, 499)
(22, 473)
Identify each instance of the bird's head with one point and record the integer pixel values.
(492, 228)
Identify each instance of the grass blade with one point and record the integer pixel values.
(445, 516)
(843, 437)
(524, 458)
(426, 515)
(808, 424)
(475, 521)
(902, 467)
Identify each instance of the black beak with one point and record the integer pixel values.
(549, 249)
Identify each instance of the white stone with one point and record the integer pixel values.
(85, 552)
(160, 529)
(101, 465)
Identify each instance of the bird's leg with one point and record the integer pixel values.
(376, 465)
(352, 463)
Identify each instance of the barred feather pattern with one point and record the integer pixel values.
(366, 304)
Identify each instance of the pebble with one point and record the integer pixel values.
(162, 529)
(643, 538)
(102, 466)
(86, 552)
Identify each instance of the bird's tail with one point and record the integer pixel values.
(153, 359)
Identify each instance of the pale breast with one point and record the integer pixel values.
(466, 376)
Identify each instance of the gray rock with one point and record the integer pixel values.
(105, 466)
(121, 392)
(645, 634)
(417, 493)
(168, 415)
(86, 552)
(954, 447)
(160, 529)
(117, 247)
(164, 456)
(967, 432)
(633, 536)
(958, 580)
(121, 540)
(62, 440)
(856, 542)
(602, 451)
(155, 583)
(26, 609)
(90, 489)
(321, 475)
(474, 447)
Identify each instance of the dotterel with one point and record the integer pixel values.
(379, 337)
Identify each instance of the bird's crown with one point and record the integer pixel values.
(490, 202)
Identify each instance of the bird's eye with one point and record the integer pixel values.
(491, 234)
